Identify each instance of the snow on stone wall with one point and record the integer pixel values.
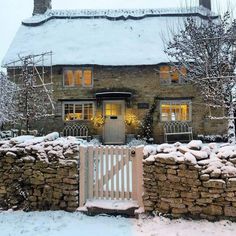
(197, 180)
(39, 173)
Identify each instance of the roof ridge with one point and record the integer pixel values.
(115, 13)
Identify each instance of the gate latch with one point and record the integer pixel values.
(132, 152)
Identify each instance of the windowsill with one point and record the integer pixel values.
(176, 121)
(71, 121)
(173, 84)
(77, 87)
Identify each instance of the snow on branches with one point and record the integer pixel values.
(7, 104)
(33, 97)
(207, 49)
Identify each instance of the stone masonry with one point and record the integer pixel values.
(145, 85)
(39, 175)
(201, 183)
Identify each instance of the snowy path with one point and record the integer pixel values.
(62, 224)
(75, 224)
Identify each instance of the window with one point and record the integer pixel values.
(113, 109)
(176, 110)
(171, 74)
(78, 111)
(78, 78)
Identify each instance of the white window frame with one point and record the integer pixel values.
(77, 103)
(74, 69)
(177, 102)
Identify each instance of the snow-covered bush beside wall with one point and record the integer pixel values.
(39, 173)
(213, 138)
(194, 179)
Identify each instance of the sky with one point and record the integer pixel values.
(12, 12)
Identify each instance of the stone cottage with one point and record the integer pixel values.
(109, 67)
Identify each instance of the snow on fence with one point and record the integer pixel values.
(111, 172)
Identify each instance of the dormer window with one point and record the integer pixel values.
(78, 77)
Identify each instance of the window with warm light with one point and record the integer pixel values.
(172, 74)
(176, 110)
(78, 111)
(113, 109)
(78, 77)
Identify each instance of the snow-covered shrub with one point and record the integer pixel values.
(94, 142)
(213, 138)
(136, 142)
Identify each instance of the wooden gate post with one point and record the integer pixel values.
(137, 175)
(83, 180)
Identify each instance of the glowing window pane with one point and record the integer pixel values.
(183, 71)
(113, 109)
(108, 112)
(87, 78)
(82, 111)
(165, 112)
(108, 106)
(88, 111)
(68, 78)
(78, 77)
(174, 75)
(69, 111)
(117, 109)
(175, 112)
(185, 112)
(164, 72)
(78, 112)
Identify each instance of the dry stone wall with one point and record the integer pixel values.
(39, 174)
(193, 180)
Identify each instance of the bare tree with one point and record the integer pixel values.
(7, 104)
(206, 48)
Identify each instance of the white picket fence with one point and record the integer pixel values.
(111, 172)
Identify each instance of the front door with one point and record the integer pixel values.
(114, 128)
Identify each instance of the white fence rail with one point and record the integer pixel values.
(111, 172)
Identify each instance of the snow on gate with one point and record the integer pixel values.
(111, 173)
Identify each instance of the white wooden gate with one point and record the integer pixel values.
(111, 172)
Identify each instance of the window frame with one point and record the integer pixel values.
(169, 80)
(116, 105)
(77, 103)
(74, 84)
(176, 102)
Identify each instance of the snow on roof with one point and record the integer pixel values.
(114, 13)
(88, 37)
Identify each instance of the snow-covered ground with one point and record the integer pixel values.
(61, 223)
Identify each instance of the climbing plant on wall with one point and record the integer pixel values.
(146, 125)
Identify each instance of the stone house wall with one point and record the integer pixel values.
(144, 83)
(190, 184)
(39, 176)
